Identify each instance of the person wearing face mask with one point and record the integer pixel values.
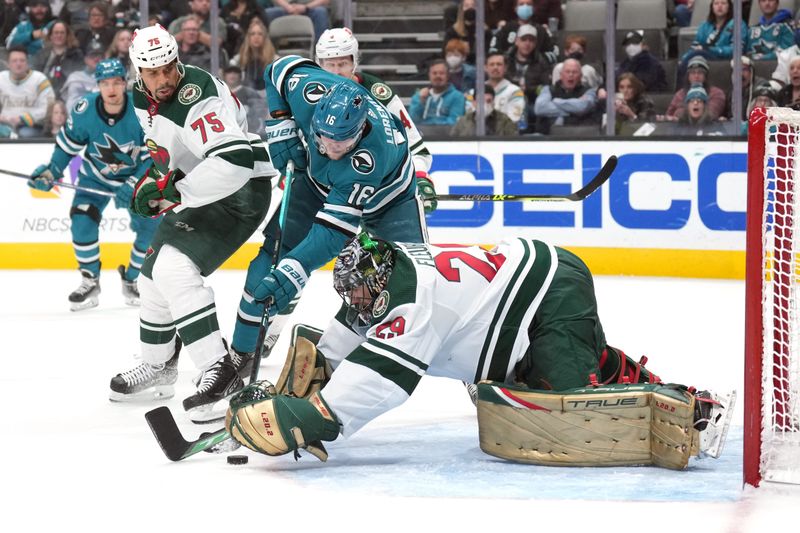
(464, 29)
(462, 74)
(641, 63)
(506, 37)
(574, 48)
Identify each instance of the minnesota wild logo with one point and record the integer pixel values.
(381, 304)
(189, 93)
(159, 155)
(381, 91)
(363, 162)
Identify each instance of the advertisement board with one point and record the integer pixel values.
(669, 209)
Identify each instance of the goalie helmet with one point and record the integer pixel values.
(363, 262)
(337, 42)
(152, 47)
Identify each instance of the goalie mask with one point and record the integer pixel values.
(360, 273)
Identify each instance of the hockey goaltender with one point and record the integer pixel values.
(520, 321)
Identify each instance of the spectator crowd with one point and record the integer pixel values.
(539, 79)
(50, 50)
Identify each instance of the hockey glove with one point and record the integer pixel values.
(281, 285)
(125, 193)
(426, 192)
(42, 179)
(284, 144)
(274, 424)
(156, 194)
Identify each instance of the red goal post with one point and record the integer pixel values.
(772, 307)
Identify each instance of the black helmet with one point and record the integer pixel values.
(363, 261)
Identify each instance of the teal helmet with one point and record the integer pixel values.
(110, 68)
(341, 113)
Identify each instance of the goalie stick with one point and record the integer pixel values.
(577, 196)
(61, 184)
(160, 419)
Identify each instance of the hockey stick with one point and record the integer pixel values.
(61, 184)
(581, 194)
(160, 419)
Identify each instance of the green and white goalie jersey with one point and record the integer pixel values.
(202, 131)
(452, 311)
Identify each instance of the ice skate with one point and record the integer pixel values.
(243, 362)
(147, 382)
(85, 296)
(130, 290)
(214, 386)
(713, 414)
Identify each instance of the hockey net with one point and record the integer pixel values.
(772, 330)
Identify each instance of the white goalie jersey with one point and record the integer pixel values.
(451, 311)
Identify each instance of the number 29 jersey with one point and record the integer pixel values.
(452, 311)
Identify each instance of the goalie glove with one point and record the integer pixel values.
(155, 194)
(274, 424)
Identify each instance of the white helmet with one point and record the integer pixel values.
(152, 47)
(337, 42)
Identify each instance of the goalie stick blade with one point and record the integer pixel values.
(577, 196)
(169, 436)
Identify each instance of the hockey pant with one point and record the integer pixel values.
(403, 221)
(85, 218)
(566, 335)
(175, 298)
(189, 245)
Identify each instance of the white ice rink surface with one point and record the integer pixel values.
(70, 460)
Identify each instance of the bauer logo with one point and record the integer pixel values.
(313, 92)
(363, 162)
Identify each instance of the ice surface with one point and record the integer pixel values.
(70, 459)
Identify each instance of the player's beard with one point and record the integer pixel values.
(164, 92)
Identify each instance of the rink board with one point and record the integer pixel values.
(670, 209)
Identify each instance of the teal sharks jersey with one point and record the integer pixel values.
(113, 146)
(377, 172)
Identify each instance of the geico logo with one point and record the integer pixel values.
(664, 191)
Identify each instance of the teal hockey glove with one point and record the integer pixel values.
(281, 285)
(284, 144)
(42, 179)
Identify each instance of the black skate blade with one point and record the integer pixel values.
(169, 436)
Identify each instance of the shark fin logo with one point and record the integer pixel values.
(313, 92)
(115, 156)
(363, 162)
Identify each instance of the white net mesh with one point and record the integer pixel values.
(780, 450)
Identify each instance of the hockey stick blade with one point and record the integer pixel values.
(169, 437)
(581, 194)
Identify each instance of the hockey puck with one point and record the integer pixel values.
(237, 459)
